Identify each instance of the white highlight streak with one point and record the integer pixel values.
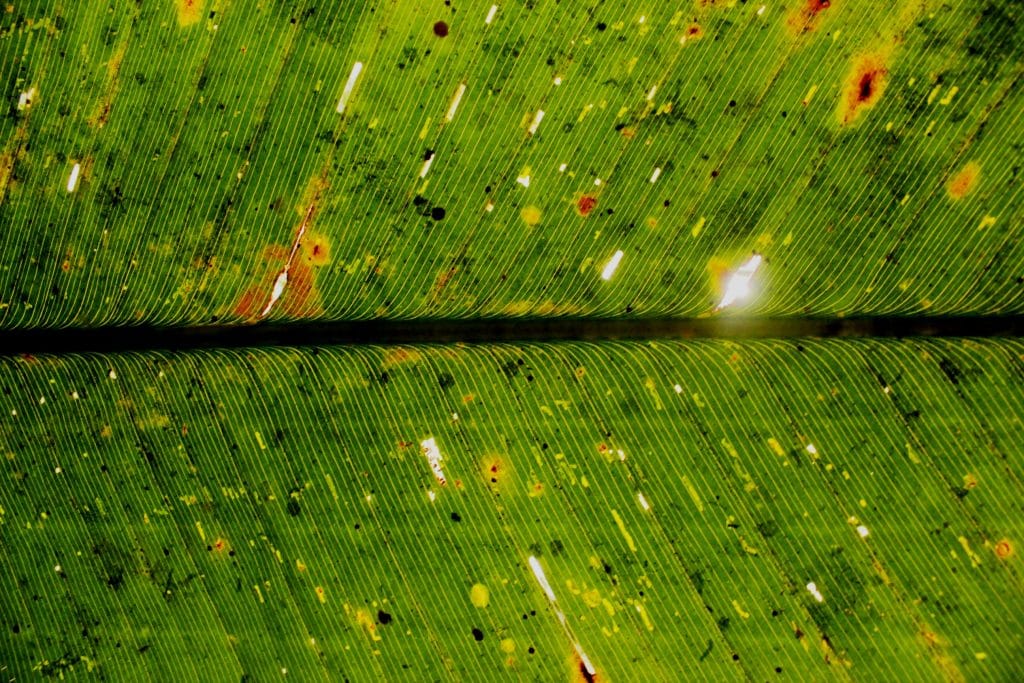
(523, 180)
(863, 531)
(537, 118)
(73, 178)
(739, 284)
(650, 93)
(815, 592)
(490, 14)
(612, 265)
(426, 165)
(357, 68)
(279, 286)
(654, 176)
(584, 659)
(459, 92)
(643, 501)
(434, 457)
(538, 571)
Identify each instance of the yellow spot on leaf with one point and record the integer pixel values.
(530, 215)
(965, 544)
(189, 11)
(592, 598)
(479, 595)
(364, 619)
(694, 495)
(622, 528)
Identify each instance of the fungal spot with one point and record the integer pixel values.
(316, 250)
(478, 635)
(804, 19)
(530, 215)
(437, 213)
(494, 471)
(440, 29)
(863, 87)
(479, 595)
(964, 181)
(189, 11)
(1004, 549)
(586, 204)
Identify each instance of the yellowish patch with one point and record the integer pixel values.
(718, 269)
(400, 356)
(508, 646)
(531, 215)
(189, 11)
(364, 619)
(106, 432)
(964, 181)
(316, 249)
(479, 595)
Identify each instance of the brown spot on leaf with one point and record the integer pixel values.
(1004, 549)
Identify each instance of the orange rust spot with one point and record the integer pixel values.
(965, 180)
(628, 133)
(863, 87)
(468, 398)
(1004, 549)
(220, 545)
(694, 32)
(65, 266)
(586, 204)
(189, 11)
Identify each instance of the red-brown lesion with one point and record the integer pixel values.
(300, 299)
(805, 18)
(585, 204)
(863, 87)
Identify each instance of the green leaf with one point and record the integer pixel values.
(698, 510)
(871, 157)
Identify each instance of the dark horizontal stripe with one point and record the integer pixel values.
(119, 339)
